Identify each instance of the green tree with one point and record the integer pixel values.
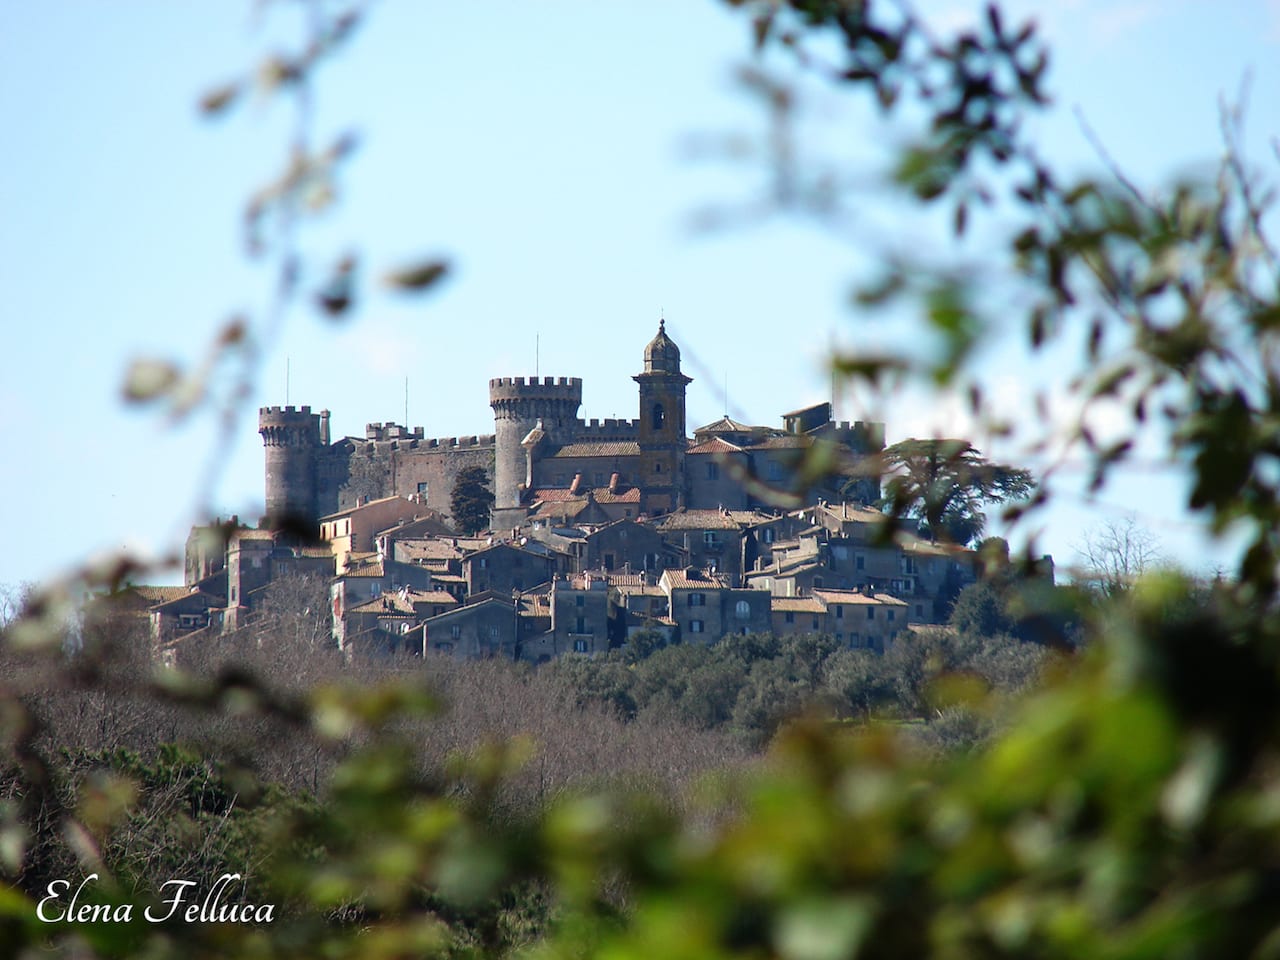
(944, 484)
(470, 500)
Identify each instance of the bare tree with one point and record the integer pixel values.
(1115, 554)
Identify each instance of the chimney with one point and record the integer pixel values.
(613, 482)
(577, 482)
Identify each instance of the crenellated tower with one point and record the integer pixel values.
(292, 440)
(518, 404)
(662, 425)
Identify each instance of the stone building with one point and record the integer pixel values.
(543, 457)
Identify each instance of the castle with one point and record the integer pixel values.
(543, 459)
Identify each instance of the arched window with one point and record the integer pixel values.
(743, 610)
(659, 416)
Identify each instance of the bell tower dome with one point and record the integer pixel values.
(662, 425)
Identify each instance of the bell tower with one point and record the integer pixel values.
(662, 426)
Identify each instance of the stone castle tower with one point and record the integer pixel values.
(520, 406)
(662, 425)
(293, 441)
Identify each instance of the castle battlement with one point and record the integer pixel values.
(391, 431)
(531, 388)
(289, 412)
(607, 429)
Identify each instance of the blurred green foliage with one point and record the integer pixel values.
(1127, 807)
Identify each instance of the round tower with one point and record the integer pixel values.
(292, 441)
(662, 428)
(518, 404)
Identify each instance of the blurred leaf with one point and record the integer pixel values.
(218, 99)
(417, 277)
(148, 378)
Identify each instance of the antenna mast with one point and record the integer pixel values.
(286, 381)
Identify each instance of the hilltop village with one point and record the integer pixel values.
(598, 530)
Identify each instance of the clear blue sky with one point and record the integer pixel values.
(552, 151)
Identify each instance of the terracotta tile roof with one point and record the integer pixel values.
(796, 605)
(157, 595)
(726, 425)
(697, 580)
(208, 600)
(603, 448)
(916, 545)
(554, 495)
(247, 534)
(851, 512)
(318, 552)
(856, 597)
(428, 549)
(562, 495)
(350, 510)
(430, 525)
(363, 568)
(786, 441)
(447, 578)
(640, 590)
(402, 602)
(714, 445)
(697, 520)
(535, 605)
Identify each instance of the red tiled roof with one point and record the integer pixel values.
(796, 605)
(698, 580)
(601, 448)
(155, 595)
(714, 445)
(855, 597)
(697, 520)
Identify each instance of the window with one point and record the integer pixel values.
(871, 613)
(455, 631)
(697, 599)
(855, 639)
(767, 534)
(713, 471)
(790, 616)
(580, 600)
(609, 561)
(696, 626)
(709, 538)
(657, 468)
(444, 647)
(743, 610)
(839, 613)
(580, 626)
(659, 416)
(424, 488)
(890, 616)
(493, 633)
(815, 623)
(860, 562)
(483, 563)
(581, 646)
